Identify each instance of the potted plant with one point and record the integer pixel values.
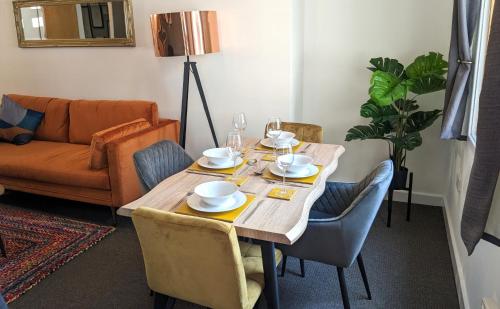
(395, 115)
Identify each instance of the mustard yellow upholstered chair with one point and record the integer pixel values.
(198, 260)
(304, 131)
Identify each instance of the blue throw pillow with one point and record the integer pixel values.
(17, 124)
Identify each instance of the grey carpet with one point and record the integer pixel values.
(408, 266)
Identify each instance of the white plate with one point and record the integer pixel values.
(267, 142)
(309, 171)
(203, 161)
(195, 202)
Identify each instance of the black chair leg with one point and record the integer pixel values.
(163, 301)
(361, 265)
(302, 268)
(283, 266)
(343, 288)
(3, 251)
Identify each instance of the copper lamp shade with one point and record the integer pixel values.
(185, 33)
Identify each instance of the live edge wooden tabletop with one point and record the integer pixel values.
(271, 220)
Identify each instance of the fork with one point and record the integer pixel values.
(183, 198)
(305, 149)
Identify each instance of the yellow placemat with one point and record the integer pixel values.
(228, 216)
(287, 195)
(237, 180)
(307, 180)
(268, 157)
(262, 147)
(226, 171)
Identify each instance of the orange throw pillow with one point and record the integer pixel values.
(98, 146)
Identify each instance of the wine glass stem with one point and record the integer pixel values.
(283, 190)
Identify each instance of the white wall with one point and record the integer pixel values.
(301, 60)
(251, 73)
(339, 39)
(478, 274)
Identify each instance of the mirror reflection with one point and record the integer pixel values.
(75, 21)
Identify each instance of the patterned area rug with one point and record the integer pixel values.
(37, 245)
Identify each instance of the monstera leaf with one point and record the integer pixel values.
(387, 65)
(371, 131)
(427, 73)
(419, 121)
(406, 105)
(408, 142)
(378, 113)
(386, 88)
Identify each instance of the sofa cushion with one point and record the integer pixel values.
(89, 117)
(98, 149)
(17, 124)
(51, 162)
(55, 123)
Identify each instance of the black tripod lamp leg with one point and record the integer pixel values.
(204, 101)
(185, 94)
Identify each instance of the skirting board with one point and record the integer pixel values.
(419, 198)
(463, 299)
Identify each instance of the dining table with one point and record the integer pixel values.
(266, 221)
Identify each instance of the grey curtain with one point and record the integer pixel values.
(465, 16)
(486, 166)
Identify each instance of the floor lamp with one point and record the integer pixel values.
(187, 34)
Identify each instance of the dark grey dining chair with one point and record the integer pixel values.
(160, 161)
(339, 222)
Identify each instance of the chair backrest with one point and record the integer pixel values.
(160, 161)
(304, 131)
(191, 258)
(358, 218)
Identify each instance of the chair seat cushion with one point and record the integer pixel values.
(254, 270)
(52, 162)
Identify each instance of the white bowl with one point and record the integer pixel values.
(215, 193)
(217, 156)
(300, 162)
(285, 137)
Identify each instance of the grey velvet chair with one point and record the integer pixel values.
(339, 222)
(160, 161)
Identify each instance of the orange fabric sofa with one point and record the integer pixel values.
(56, 161)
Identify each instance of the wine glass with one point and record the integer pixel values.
(273, 129)
(240, 122)
(233, 145)
(284, 159)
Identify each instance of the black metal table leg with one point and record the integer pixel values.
(408, 207)
(270, 275)
(389, 207)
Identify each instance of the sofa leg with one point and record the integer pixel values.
(114, 219)
(283, 266)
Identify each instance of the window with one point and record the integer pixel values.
(480, 44)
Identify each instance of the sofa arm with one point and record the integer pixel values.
(125, 184)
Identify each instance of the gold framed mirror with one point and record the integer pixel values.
(62, 23)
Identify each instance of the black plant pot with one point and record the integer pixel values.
(399, 179)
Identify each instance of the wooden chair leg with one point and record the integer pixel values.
(343, 288)
(361, 265)
(283, 266)
(114, 219)
(302, 268)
